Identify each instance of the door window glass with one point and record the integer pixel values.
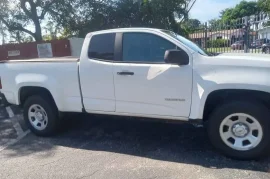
(102, 47)
(145, 47)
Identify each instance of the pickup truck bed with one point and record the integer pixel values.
(62, 80)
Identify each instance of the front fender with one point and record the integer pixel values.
(210, 79)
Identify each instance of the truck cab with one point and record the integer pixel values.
(129, 74)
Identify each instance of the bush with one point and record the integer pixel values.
(218, 43)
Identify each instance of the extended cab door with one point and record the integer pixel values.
(145, 84)
(96, 73)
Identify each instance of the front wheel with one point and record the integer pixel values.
(241, 129)
(41, 116)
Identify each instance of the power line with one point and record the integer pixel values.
(192, 5)
(189, 9)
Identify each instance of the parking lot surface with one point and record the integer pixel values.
(90, 146)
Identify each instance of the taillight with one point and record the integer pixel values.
(0, 83)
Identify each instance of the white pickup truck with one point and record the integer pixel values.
(149, 73)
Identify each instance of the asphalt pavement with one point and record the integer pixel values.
(90, 146)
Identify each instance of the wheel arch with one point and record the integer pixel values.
(217, 97)
(27, 91)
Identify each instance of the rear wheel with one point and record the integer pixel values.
(41, 116)
(241, 129)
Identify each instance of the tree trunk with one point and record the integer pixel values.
(38, 33)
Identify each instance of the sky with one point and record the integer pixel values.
(205, 10)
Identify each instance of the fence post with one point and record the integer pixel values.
(246, 35)
(205, 36)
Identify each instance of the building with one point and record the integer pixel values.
(232, 35)
(264, 33)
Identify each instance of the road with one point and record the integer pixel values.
(106, 147)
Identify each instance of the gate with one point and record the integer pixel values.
(245, 35)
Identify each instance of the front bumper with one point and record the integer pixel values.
(3, 101)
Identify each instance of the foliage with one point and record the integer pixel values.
(218, 43)
(191, 25)
(242, 9)
(216, 24)
(20, 37)
(51, 31)
(105, 14)
(3, 33)
(17, 15)
(264, 5)
(66, 18)
(230, 18)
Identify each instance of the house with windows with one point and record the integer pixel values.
(264, 33)
(232, 35)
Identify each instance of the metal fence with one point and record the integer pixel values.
(244, 35)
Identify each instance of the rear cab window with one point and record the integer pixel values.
(102, 47)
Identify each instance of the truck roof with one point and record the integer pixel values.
(133, 29)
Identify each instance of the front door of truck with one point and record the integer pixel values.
(145, 84)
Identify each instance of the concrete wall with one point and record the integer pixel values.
(76, 46)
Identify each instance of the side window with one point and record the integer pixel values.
(145, 47)
(102, 47)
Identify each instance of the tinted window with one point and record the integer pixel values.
(102, 47)
(144, 47)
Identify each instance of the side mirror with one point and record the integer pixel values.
(178, 57)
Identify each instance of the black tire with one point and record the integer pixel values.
(51, 111)
(254, 109)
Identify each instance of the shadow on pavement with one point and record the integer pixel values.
(180, 143)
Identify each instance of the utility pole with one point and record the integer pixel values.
(246, 28)
(189, 6)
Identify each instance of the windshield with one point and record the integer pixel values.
(187, 42)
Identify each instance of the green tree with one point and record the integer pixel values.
(51, 29)
(264, 5)
(17, 15)
(191, 25)
(105, 14)
(216, 23)
(16, 36)
(242, 9)
(20, 37)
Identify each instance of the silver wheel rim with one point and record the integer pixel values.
(241, 132)
(38, 117)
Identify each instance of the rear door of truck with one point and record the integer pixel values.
(96, 73)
